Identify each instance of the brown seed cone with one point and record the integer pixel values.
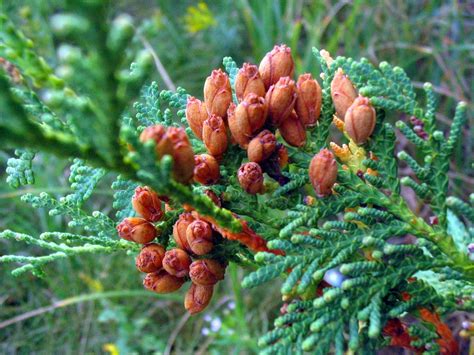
(262, 146)
(240, 131)
(292, 130)
(162, 282)
(343, 93)
(176, 262)
(179, 230)
(214, 135)
(276, 64)
(206, 169)
(155, 133)
(197, 298)
(146, 203)
(217, 93)
(323, 172)
(150, 258)
(280, 100)
(206, 272)
(196, 114)
(360, 120)
(199, 237)
(247, 81)
(251, 113)
(137, 230)
(250, 176)
(309, 100)
(282, 156)
(182, 153)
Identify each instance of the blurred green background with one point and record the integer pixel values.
(96, 304)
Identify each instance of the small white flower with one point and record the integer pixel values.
(216, 324)
(205, 331)
(231, 305)
(207, 318)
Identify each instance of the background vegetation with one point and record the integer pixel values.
(91, 304)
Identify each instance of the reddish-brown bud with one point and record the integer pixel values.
(206, 169)
(196, 114)
(292, 130)
(360, 120)
(197, 298)
(282, 156)
(212, 195)
(217, 93)
(343, 93)
(240, 131)
(309, 100)
(150, 258)
(155, 133)
(251, 113)
(247, 81)
(162, 282)
(137, 230)
(176, 262)
(146, 203)
(280, 100)
(206, 272)
(323, 172)
(199, 237)
(250, 177)
(262, 146)
(182, 153)
(276, 64)
(214, 135)
(179, 230)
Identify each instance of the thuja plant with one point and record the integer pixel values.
(248, 174)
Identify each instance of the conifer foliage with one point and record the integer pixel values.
(250, 174)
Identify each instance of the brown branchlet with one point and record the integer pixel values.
(206, 169)
(212, 195)
(214, 135)
(146, 203)
(360, 119)
(343, 93)
(261, 147)
(150, 258)
(292, 130)
(179, 230)
(176, 262)
(276, 64)
(217, 93)
(206, 272)
(162, 282)
(199, 237)
(196, 114)
(250, 176)
(282, 156)
(280, 99)
(248, 81)
(197, 298)
(308, 100)
(323, 172)
(137, 230)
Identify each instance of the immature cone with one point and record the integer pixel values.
(176, 262)
(292, 130)
(262, 146)
(276, 64)
(179, 230)
(308, 100)
(197, 298)
(146, 203)
(206, 169)
(196, 114)
(240, 131)
(182, 153)
(199, 237)
(360, 120)
(343, 93)
(280, 100)
(150, 258)
(137, 230)
(251, 112)
(206, 272)
(250, 177)
(162, 282)
(214, 135)
(217, 93)
(247, 81)
(323, 172)
(155, 133)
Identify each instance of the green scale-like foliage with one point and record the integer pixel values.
(344, 277)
